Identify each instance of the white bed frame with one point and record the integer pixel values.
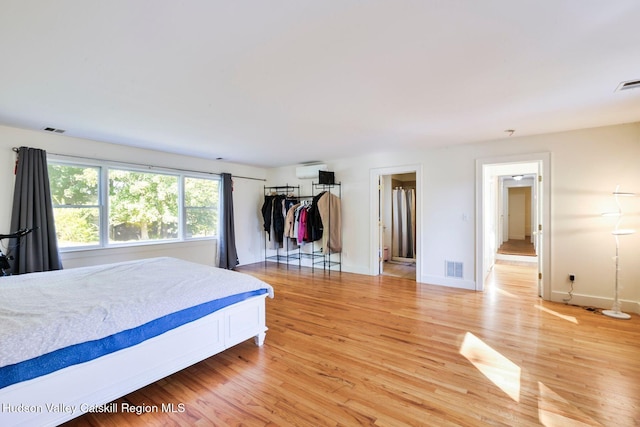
(114, 375)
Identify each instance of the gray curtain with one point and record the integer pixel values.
(227, 247)
(32, 208)
(404, 223)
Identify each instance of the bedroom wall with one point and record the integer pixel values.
(586, 165)
(247, 194)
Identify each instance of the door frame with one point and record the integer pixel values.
(376, 251)
(483, 180)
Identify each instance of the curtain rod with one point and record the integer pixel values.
(15, 149)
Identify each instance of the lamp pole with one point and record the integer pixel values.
(617, 232)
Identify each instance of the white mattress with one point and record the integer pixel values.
(43, 312)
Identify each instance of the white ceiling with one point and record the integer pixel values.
(283, 82)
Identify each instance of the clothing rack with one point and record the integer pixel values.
(282, 190)
(325, 255)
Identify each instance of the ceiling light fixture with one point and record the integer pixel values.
(517, 177)
(510, 131)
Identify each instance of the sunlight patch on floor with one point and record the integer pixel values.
(554, 411)
(501, 371)
(555, 313)
(505, 293)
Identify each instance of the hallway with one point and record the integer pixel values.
(517, 247)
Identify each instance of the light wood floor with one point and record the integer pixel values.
(406, 270)
(345, 350)
(518, 247)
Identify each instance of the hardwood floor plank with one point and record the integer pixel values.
(518, 247)
(345, 349)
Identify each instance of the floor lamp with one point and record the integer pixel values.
(617, 232)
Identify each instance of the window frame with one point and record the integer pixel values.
(103, 200)
(183, 207)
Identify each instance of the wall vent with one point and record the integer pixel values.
(631, 84)
(54, 130)
(453, 269)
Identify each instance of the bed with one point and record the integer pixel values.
(71, 341)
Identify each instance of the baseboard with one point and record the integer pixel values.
(448, 282)
(594, 301)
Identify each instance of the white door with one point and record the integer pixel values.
(516, 214)
(539, 232)
(381, 204)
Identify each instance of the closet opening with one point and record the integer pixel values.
(399, 238)
(396, 225)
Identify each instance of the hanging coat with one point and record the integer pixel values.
(314, 220)
(329, 208)
(267, 208)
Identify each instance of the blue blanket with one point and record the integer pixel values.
(52, 320)
(89, 350)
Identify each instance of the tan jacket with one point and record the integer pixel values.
(329, 209)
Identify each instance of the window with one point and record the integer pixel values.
(201, 206)
(76, 204)
(142, 206)
(99, 205)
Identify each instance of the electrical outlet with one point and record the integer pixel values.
(572, 277)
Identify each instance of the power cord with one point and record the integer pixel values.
(572, 279)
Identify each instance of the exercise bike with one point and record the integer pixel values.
(5, 267)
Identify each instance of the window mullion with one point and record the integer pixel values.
(182, 226)
(104, 206)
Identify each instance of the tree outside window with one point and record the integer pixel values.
(76, 204)
(201, 206)
(142, 206)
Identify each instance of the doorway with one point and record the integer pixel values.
(492, 214)
(395, 221)
(518, 212)
(399, 225)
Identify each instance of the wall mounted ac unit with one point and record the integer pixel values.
(309, 171)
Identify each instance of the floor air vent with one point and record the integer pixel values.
(453, 269)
